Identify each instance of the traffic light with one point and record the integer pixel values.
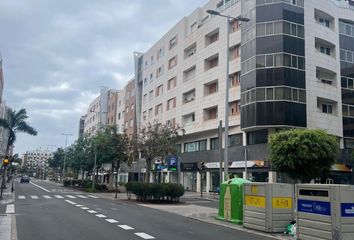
(5, 162)
(201, 167)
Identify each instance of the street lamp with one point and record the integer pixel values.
(66, 144)
(229, 19)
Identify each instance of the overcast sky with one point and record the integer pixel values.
(56, 55)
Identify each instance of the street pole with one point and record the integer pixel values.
(246, 163)
(66, 144)
(227, 83)
(220, 152)
(94, 170)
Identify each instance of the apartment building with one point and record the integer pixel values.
(121, 110)
(36, 161)
(291, 65)
(81, 127)
(112, 108)
(4, 134)
(129, 116)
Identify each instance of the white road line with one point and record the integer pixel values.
(21, 197)
(39, 187)
(34, 197)
(47, 196)
(92, 196)
(101, 215)
(78, 205)
(84, 208)
(58, 196)
(144, 235)
(70, 196)
(81, 196)
(10, 208)
(71, 202)
(91, 211)
(126, 227)
(111, 220)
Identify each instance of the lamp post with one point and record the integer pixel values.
(66, 144)
(227, 84)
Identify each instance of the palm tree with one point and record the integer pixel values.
(15, 122)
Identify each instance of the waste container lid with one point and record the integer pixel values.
(236, 181)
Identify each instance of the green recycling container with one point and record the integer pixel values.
(231, 200)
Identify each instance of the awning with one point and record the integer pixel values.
(341, 168)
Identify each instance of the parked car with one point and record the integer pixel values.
(25, 178)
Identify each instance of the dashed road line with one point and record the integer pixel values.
(144, 235)
(34, 197)
(91, 211)
(47, 196)
(92, 196)
(71, 202)
(125, 227)
(100, 215)
(70, 196)
(10, 208)
(58, 196)
(84, 208)
(81, 196)
(79, 205)
(21, 197)
(39, 187)
(111, 220)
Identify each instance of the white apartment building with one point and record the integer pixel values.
(296, 69)
(36, 161)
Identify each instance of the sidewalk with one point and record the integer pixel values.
(7, 221)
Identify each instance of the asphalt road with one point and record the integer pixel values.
(47, 211)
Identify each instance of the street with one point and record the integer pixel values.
(47, 211)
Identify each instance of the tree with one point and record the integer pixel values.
(156, 141)
(302, 153)
(57, 161)
(15, 122)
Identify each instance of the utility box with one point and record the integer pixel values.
(325, 211)
(268, 207)
(231, 200)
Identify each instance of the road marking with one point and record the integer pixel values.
(71, 202)
(91, 211)
(21, 197)
(84, 208)
(58, 196)
(70, 196)
(101, 215)
(10, 208)
(144, 235)
(81, 196)
(34, 197)
(111, 220)
(126, 227)
(39, 187)
(78, 205)
(47, 196)
(93, 196)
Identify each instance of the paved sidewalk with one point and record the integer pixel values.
(7, 221)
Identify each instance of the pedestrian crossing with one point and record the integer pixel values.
(36, 197)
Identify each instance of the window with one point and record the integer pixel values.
(325, 50)
(150, 113)
(189, 96)
(190, 51)
(159, 71)
(327, 108)
(211, 62)
(212, 37)
(160, 53)
(127, 109)
(151, 59)
(144, 116)
(171, 122)
(235, 25)
(210, 113)
(235, 79)
(173, 42)
(151, 94)
(171, 83)
(235, 140)
(131, 122)
(210, 88)
(172, 62)
(324, 22)
(189, 73)
(171, 103)
(132, 107)
(234, 52)
(188, 119)
(214, 143)
(151, 77)
(235, 108)
(159, 90)
(158, 109)
(145, 98)
(196, 146)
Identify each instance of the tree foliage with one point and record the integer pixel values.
(156, 141)
(14, 122)
(302, 153)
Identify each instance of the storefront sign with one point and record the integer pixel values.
(314, 207)
(172, 163)
(255, 201)
(189, 167)
(347, 209)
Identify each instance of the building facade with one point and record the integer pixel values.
(36, 162)
(291, 65)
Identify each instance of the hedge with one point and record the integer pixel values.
(86, 184)
(155, 192)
